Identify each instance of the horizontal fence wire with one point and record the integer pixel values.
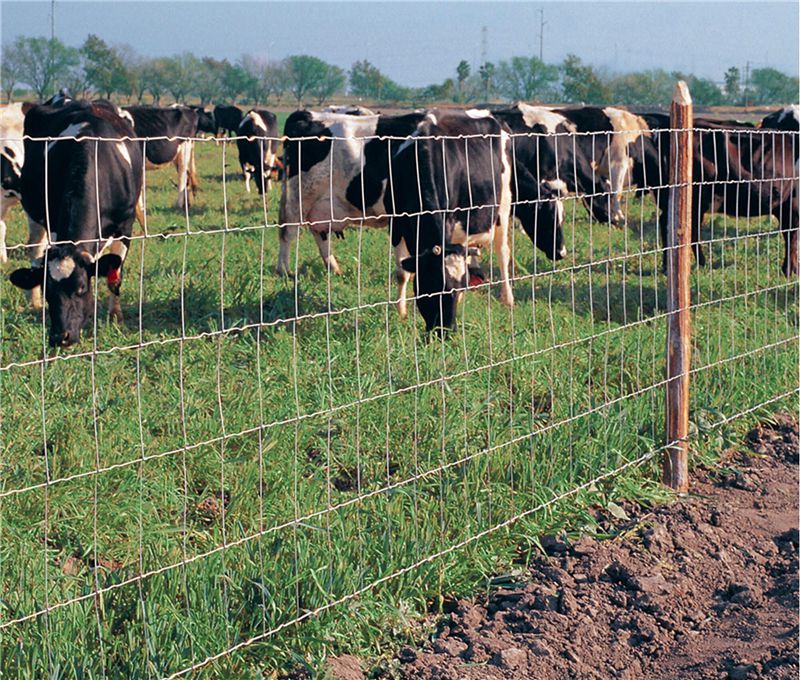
(248, 452)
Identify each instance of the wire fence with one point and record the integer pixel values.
(248, 452)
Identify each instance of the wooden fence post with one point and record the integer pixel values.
(675, 466)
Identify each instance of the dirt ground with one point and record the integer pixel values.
(704, 588)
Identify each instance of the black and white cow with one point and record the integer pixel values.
(257, 140)
(740, 171)
(205, 119)
(226, 119)
(322, 154)
(174, 130)
(786, 119)
(12, 158)
(451, 192)
(82, 196)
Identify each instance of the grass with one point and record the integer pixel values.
(344, 420)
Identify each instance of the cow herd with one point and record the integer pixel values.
(446, 183)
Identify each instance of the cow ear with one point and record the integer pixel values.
(409, 264)
(27, 278)
(107, 263)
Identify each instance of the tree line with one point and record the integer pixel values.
(42, 66)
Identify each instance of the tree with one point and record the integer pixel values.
(103, 67)
(10, 71)
(525, 78)
(134, 65)
(581, 84)
(733, 85)
(234, 80)
(275, 79)
(154, 78)
(179, 73)
(44, 63)
(207, 80)
(486, 72)
(332, 82)
(770, 86)
(366, 80)
(305, 75)
(643, 88)
(462, 72)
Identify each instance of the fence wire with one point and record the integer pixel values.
(247, 452)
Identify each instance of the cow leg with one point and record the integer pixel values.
(788, 214)
(114, 308)
(139, 210)
(182, 164)
(37, 244)
(287, 235)
(323, 240)
(192, 174)
(402, 277)
(502, 252)
(247, 171)
(618, 171)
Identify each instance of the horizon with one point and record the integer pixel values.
(437, 37)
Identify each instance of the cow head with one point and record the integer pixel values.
(67, 279)
(441, 274)
(543, 219)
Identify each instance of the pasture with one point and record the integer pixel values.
(260, 448)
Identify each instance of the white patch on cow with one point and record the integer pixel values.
(539, 115)
(475, 240)
(432, 117)
(126, 115)
(68, 132)
(258, 121)
(123, 151)
(478, 113)
(558, 186)
(793, 110)
(61, 268)
(560, 217)
(455, 267)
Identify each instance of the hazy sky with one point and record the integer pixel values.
(417, 43)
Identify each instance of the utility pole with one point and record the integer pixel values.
(542, 23)
(747, 83)
(484, 44)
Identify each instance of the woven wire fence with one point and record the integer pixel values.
(248, 451)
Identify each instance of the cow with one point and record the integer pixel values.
(322, 153)
(786, 119)
(205, 120)
(174, 130)
(12, 158)
(257, 140)
(226, 119)
(737, 170)
(451, 193)
(81, 196)
(611, 140)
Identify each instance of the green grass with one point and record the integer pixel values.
(337, 419)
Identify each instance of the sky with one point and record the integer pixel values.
(418, 43)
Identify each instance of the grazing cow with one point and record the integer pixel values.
(205, 120)
(611, 139)
(738, 171)
(451, 192)
(174, 130)
(322, 154)
(349, 109)
(226, 119)
(81, 196)
(257, 140)
(12, 158)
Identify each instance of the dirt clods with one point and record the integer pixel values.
(704, 588)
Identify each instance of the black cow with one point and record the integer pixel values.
(257, 140)
(174, 130)
(84, 194)
(226, 119)
(205, 120)
(738, 171)
(451, 192)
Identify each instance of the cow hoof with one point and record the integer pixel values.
(507, 299)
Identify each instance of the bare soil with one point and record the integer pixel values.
(704, 588)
